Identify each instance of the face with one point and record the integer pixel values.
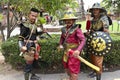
(69, 22)
(96, 12)
(33, 16)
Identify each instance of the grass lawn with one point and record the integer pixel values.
(114, 28)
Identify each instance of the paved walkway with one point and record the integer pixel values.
(14, 75)
(7, 73)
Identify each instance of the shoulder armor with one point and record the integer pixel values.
(74, 27)
(63, 29)
(105, 21)
(26, 23)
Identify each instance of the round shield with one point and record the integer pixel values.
(99, 43)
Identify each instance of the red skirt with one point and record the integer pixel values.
(73, 65)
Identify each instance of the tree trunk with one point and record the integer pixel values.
(2, 33)
(8, 21)
(3, 36)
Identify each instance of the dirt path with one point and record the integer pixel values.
(6, 71)
(4, 68)
(2, 59)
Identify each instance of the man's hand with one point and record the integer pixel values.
(76, 53)
(106, 30)
(23, 49)
(44, 31)
(87, 33)
(35, 41)
(60, 47)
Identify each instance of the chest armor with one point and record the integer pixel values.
(65, 32)
(97, 25)
(31, 27)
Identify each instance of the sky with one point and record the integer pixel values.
(89, 3)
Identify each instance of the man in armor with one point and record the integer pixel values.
(98, 23)
(28, 42)
(72, 38)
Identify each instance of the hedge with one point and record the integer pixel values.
(51, 58)
(114, 57)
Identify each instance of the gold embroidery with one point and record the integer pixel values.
(97, 25)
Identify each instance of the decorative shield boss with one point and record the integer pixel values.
(99, 43)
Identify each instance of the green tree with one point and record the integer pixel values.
(50, 6)
(112, 5)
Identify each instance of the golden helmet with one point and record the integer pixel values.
(69, 15)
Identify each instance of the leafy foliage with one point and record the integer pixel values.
(22, 7)
(112, 4)
(49, 5)
(11, 51)
(50, 57)
(114, 57)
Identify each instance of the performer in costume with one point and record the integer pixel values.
(98, 23)
(28, 42)
(71, 38)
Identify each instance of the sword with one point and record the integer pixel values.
(48, 34)
(85, 61)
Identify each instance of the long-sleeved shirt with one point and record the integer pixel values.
(74, 35)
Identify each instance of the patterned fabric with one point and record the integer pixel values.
(74, 39)
(29, 31)
(30, 26)
(67, 47)
(25, 31)
(105, 21)
(97, 60)
(98, 25)
(69, 61)
(71, 30)
(74, 35)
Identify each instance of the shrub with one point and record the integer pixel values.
(11, 52)
(114, 57)
(48, 52)
(51, 58)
